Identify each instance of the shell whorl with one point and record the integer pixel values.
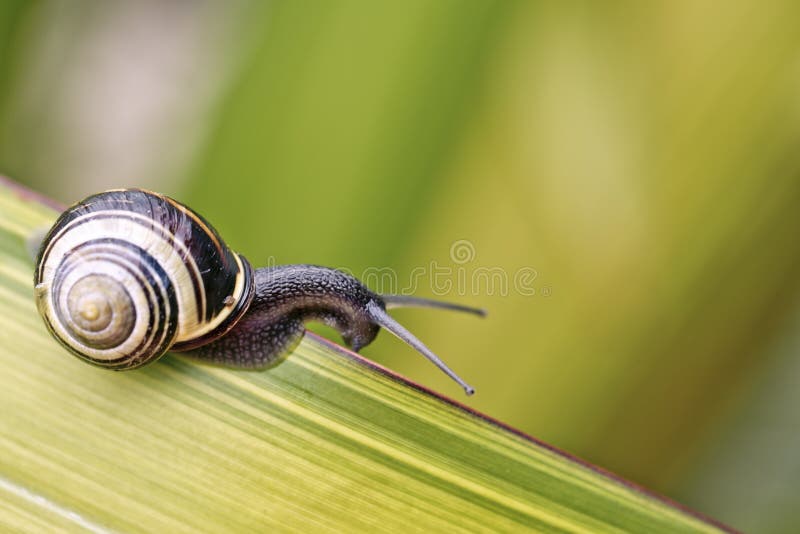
(126, 275)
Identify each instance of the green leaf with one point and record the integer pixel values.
(324, 441)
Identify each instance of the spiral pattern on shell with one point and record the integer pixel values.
(126, 275)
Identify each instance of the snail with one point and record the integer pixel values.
(126, 275)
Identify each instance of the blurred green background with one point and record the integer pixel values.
(617, 183)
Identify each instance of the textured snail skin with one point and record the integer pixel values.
(285, 298)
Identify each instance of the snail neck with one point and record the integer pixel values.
(285, 298)
(312, 293)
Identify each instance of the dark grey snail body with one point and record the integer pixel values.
(127, 275)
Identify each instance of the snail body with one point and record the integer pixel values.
(124, 276)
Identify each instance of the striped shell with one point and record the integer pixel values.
(126, 275)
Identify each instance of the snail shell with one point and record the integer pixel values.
(126, 275)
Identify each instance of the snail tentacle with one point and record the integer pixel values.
(407, 301)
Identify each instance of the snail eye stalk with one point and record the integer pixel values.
(389, 323)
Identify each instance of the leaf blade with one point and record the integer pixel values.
(324, 441)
